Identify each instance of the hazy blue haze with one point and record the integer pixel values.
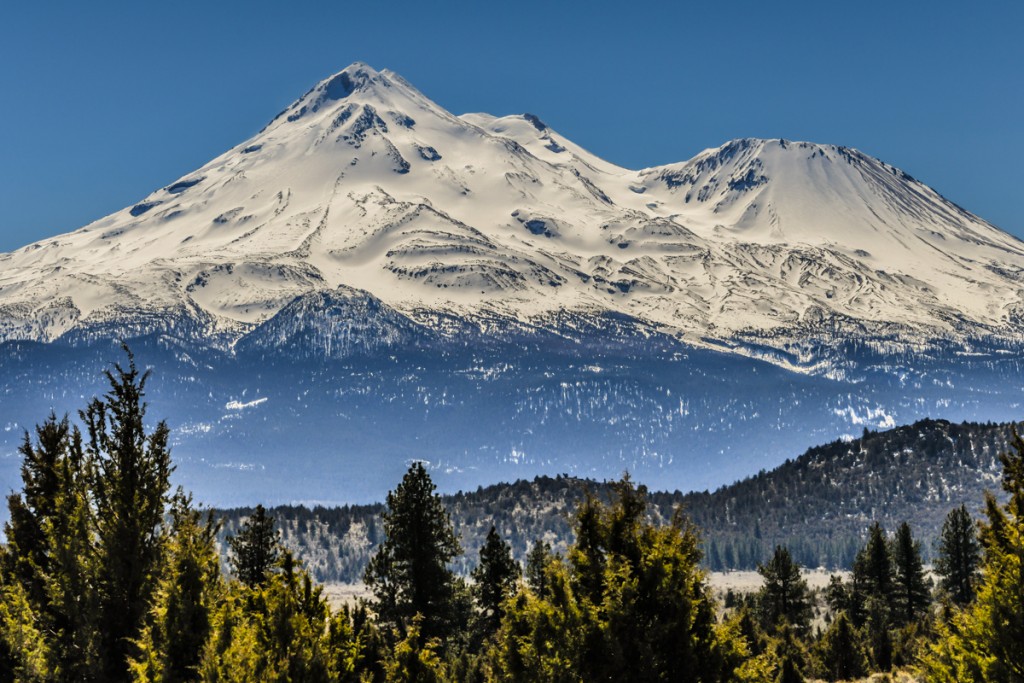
(104, 102)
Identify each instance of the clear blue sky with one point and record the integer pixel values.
(104, 102)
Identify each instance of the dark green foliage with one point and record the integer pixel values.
(255, 549)
(30, 511)
(839, 595)
(959, 556)
(414, 659)
(912, 590)
(630, 604)
(88, 538)
(839, 651)
(131, 481)
(983, 642)
(878, 631)
(49, 560)
(356, 648)
(791, 657)
(172, 644)
(536, 562)
(872, 596)
(96, 547)
(817, 505)
(277, 631)
(872, 574)
(494, 581)
(410, 574)
(587, 554)
(785, 597)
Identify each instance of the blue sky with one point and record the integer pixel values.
(104, 102)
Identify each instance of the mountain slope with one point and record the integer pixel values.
(820, 504)
(363, 183)
(393, 282)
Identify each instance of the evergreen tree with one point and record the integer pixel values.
(872, 573)
(912, 593)
(172, 644)
(409, 574)
(631, 604)
(872, 596)
(839, 652)
(791, 657)
(24, 654)
(587, 554)
(785, 597)
(71, 591)
(29, 559)
(877, 628)
(131, 470)
(356, 649)
(495, 580)
(413, 660)
(274, 632)
(959, 556)
(50, 550)
(536, 562)
(838, 596)
(983, 643)
(541, 639)
(255, 550)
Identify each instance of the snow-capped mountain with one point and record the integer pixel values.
(365, 189)
(371, 279)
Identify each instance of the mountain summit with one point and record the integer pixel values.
(371, 279)
(364, 187)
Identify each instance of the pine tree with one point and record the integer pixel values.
(587, 554)
(873, 587)
(536, 562)
(872, 573)
(785, 597)
(29, 558)
(542, 639)
(631, 603)
(173, 642)
(24, 654)
(410, 572)
(838, 595)
(912, 594)
(50, 552)
(355, 648)
(414, 660)
(74, 568)
(131, 470)
(959, 556)
(839, 651)
(274, 632)
(255, 549)
(791, 657)
(983, 643)
(495, 580)
(92, 561)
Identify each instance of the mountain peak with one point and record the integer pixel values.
(356, 78)
(364, 182)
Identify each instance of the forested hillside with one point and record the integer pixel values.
(107, 574)
(820, 505)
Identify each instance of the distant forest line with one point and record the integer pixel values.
(108, 574)
(819, 505)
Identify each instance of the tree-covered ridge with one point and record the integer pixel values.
(819, 505)
(107, 576)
